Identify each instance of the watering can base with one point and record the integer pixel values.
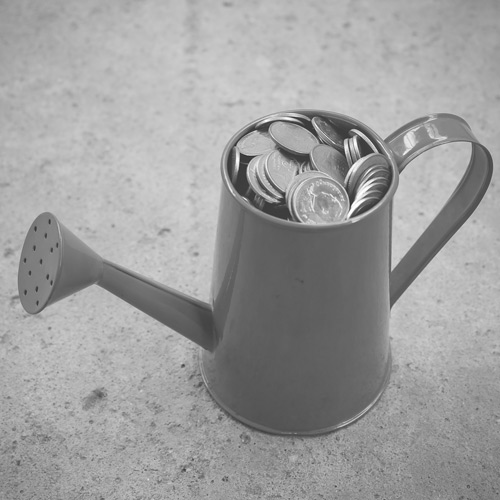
(305, 431)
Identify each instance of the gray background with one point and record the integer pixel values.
(113, 115)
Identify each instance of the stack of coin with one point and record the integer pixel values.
(308, 170)
(367, 182)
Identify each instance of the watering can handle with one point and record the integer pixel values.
(407, 143)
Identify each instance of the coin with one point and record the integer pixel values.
(286, 117)
(377, 171)
(365, 139)
(256, 143)
(360, 166)
(347, 152)
(362, 205)
(355, 148)
(259, 202)
(327, 133)
(234, 164)
(281, 169)
(376, 178)
(374, 187)
(320, 200)
(293, 138)
(295, 183)
(264, 180)
(254, 182)
(305, 166)
(281, 211)
(330, 161)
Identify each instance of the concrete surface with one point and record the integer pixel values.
(113, 115)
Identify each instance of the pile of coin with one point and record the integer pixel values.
(308, 170)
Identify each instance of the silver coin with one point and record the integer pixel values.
(285, 117)
(330, 161)
(259, 202)
(377, 171)
(327, 133)
(367, 180)
(347, 152)
(299, 116)
(234, 164)
(296, 181)
(361, 166)
(281, 169)
(371, 188)
(320, 200)
(365, 139)
(355, 148)
(361, 205)
(293, 138)
(254, 183)
(299, 178)
(256, 143)
(264, 180)
(305, 166)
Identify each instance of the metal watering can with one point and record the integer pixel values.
(296, 335)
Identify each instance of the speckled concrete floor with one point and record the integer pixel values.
(113, 115)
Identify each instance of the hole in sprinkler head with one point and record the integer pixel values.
(34, 248)
(51, 249)
(29, 273)
(37, 302)
(50, 222)
(41, 260)
(57, 245)
(35, 228)
(45, 235)
(36, 289)
(51, 282)
(47, 277)
(24, 260)
(25, 292)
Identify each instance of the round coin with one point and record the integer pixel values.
(362, 205)
(365, 139)
(254, 183)
(347, 152)
(285, 117)
(330, 161)
(305, 166)
(327, 133)
(234, 164)
(293, 138)
(280, 169)
(295, 183)
(320, 200)
(375, 172)
(361, 166)
(355, 148)
(371, 188)
(259, 202)
(256, 143)
(264, 180)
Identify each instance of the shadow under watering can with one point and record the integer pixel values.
(296, 336)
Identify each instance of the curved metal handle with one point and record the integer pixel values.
(414, 139)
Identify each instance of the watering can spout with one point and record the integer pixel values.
(55, 263)
(186, 315)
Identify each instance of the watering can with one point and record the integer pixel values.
(295, 338)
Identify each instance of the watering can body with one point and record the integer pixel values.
(295, 336)
(302, 319)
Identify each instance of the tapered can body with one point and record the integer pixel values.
(301, 314)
